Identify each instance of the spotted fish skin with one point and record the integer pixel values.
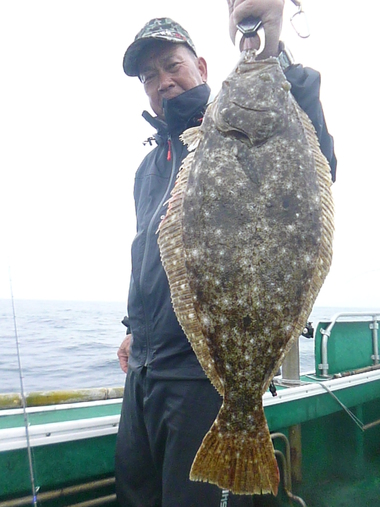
(246, 244)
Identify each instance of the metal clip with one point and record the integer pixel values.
(249, 26)
(299, 21)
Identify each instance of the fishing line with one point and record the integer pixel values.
(31, 470)
(356, 420)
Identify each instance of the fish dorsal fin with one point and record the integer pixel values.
(191, 137)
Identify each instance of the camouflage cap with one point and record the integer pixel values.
(155, 29)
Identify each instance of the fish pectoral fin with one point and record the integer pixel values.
(191, 137)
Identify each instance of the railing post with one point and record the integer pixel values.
(291, 365)
(291, 371)
(375, 344)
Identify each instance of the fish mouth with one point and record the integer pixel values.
(256, 107)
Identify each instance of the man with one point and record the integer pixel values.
(169, 404)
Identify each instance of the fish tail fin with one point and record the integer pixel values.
(242, 462)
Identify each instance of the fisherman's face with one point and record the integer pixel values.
(169, 69)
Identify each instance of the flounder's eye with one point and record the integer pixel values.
(265, 76)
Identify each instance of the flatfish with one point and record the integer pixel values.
(246, 244)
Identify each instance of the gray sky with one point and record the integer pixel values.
(72, 132)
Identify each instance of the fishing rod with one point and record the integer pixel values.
(31, 470)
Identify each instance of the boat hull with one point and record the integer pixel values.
(325, 428)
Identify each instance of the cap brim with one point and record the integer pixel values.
(133, 53)
(132, 56)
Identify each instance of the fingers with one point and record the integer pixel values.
(269, 11)
(123, 353)
(123, 361)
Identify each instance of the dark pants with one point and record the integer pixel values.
(162, 426)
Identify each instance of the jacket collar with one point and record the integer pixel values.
(181, 112)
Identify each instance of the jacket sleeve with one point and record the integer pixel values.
(306, 84)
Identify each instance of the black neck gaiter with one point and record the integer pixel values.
(182, 112)
(186, 110)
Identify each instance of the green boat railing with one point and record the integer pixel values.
(368, 352)
(44, 398)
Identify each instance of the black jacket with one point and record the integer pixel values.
(158, 340)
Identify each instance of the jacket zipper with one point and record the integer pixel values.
(170, 156)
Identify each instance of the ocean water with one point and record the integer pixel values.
(73, 345)
(63, 345)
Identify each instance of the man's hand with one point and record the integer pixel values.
(269, 11)
(123, 352)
